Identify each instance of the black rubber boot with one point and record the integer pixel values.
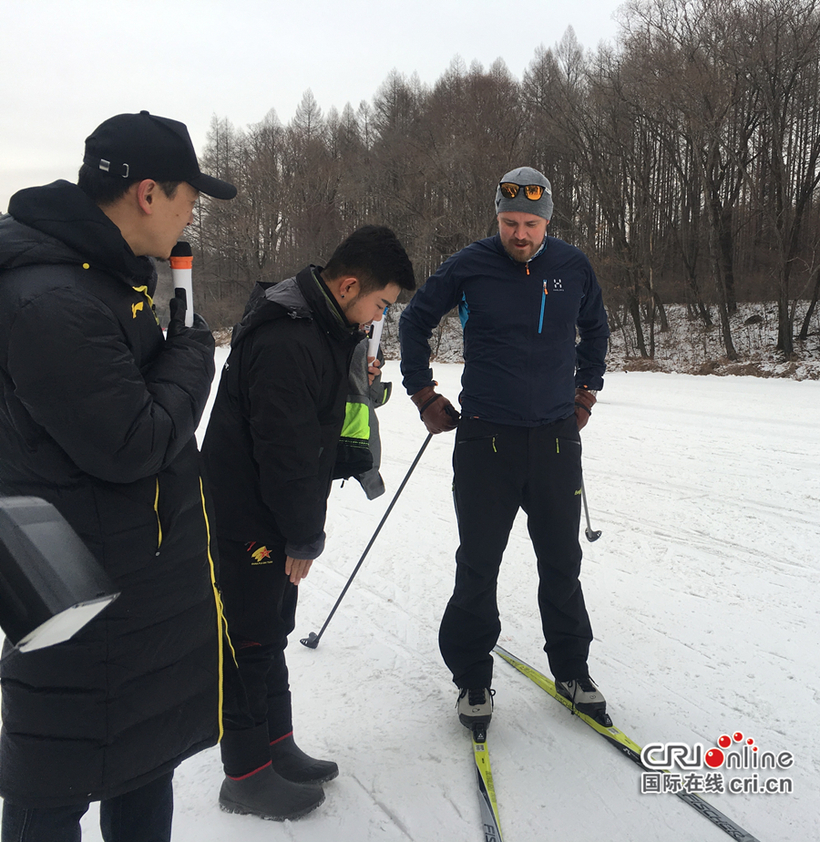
(269, 796)
(294, 765)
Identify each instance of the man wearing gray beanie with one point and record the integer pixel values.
(528, 389)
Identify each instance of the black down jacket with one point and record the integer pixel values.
(272, 435)
(97, 416)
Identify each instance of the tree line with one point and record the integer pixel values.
(684, 160)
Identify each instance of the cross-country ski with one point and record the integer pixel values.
(625, 745)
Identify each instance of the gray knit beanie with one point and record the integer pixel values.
(524, 176)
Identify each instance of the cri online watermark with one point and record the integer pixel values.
(702, 769)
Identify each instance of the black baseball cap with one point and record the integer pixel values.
(145, 146)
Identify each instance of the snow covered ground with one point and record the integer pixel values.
(703, 592)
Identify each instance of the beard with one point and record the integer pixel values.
(522, 255)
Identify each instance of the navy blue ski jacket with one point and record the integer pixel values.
(521, 360)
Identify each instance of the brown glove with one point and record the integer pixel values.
(436, 411)
(584, 401)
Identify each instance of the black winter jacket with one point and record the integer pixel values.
(97, 416)
(521, 362)
(271, 442)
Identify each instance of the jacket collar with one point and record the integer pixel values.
(63, 212)
(304, 296)
(323, 305)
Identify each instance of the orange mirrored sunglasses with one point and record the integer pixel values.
(532, 191)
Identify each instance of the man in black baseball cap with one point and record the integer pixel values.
(98, 411)
(138, 146)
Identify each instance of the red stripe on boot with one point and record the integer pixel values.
(284, 737)
(242, 777)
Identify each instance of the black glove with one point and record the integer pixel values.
(198, 332)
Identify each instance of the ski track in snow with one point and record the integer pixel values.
(703, 596)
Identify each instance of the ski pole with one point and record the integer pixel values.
(312, 640)
(592, 534)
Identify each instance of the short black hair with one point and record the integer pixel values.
(104, 189)
(375, 257)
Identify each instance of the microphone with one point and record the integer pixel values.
(181, 261)
(376, 329)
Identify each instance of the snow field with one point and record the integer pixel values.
(703, 597)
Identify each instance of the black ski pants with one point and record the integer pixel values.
(497, 470)
(260, 608)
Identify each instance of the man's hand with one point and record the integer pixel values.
(436, 411)
(584, 401)
(373, 369)
(198, 332)
(297, 568)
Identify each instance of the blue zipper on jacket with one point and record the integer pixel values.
(543, 304)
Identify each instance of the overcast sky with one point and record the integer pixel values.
(67, 66)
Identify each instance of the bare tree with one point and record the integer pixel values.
(779, 51)
(685, 161)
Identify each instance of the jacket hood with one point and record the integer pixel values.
(59, 224)
(304, 296)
